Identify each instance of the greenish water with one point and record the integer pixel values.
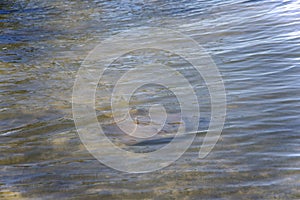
(256, 45)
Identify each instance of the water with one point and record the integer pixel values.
(256, 46)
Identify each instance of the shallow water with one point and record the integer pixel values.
(256, 46)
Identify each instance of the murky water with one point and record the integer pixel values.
(256, 45)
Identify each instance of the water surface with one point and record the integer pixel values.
(256, 46)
